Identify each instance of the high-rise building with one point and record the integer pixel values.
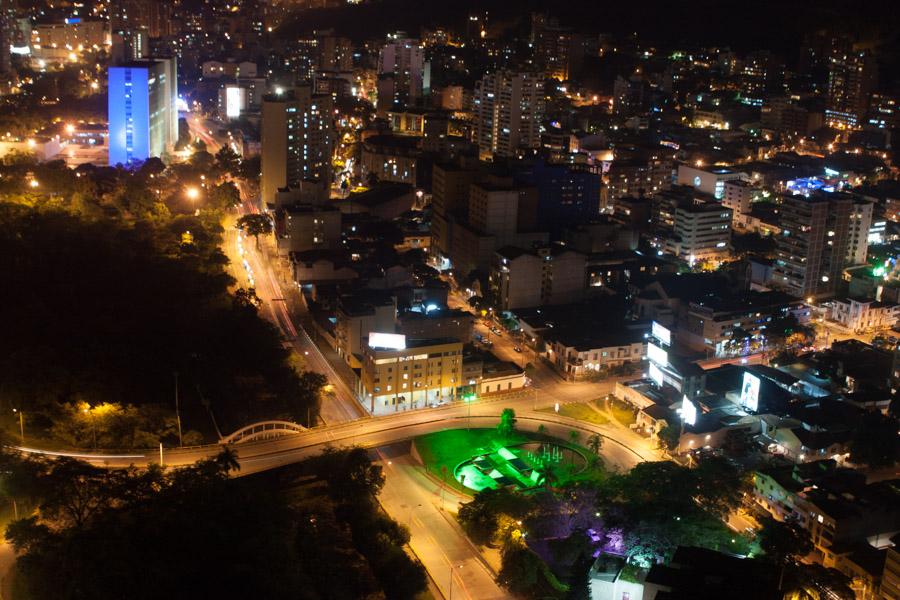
(153, 15)
(811, 250)
(756, 77)
(334, 53)
(558, 51)
(297, 140)
(700, 232)
(7, 23)
(851, 78)
(858, 231)
(546, 275)
(449, 202)
(403, 73)
(567, 194)
(143, 118)
(508, 108)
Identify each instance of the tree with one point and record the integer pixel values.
(875, 441)
(294, 539)
(783, 541)
(816, 581)
(668, 437)
(481, 517)
(255, 224)
(721, 485)
(224, 196)
(507, 425)
(595, 442)
(228, 161)
(523, 573)
(349, 473)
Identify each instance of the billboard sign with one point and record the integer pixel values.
(688, 411)
(657, 355)
(656, 374)
(661, 333)
(387, 341)
(750, 392)
(234, 102)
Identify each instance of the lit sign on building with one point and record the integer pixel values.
(656, 374)
(662, 334)
(233, 102)
(387, 341)
(657, 355)
(688, 411)
(750, 392)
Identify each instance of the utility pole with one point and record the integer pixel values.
(177, 411)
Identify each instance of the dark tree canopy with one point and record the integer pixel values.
(196, 533)
(107, 312)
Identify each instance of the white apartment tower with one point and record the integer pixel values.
(508, 109)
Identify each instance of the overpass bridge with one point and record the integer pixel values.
(271, 444)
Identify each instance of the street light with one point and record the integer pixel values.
(21, 424)
(192, 193)
(469, 400)
(450, 593)
(90, 412)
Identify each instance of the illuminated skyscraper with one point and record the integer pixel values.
(851, 79)
(297, 139)
(143, 119)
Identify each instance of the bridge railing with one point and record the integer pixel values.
(262, 430)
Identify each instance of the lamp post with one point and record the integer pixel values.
(177, 412)
(21, 424)
(90, 413)
(450, 591)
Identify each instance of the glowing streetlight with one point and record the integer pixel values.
(192, 193)
(70, 129)
(34, 183)
(21, 424)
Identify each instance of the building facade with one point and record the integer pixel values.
(543, 276)
(701, 232)
(811, 249)
(401, 374)
(143, 118)
(297, 140)
(508, 108)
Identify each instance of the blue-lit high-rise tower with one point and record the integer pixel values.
(143, 118)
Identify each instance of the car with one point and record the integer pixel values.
(517, 349)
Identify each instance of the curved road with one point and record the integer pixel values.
(618, 449)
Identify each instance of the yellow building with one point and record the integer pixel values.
(400, 375)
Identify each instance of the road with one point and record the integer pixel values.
(619, 450)
(203, 129)
(338, 406)
(413, 499)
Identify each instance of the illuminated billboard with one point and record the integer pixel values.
(387, 341)
(662, 334)
(656, 374)
(657, 355)
(234, 102)
(750, 392)
(688, 411)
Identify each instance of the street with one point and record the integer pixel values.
(414, 500)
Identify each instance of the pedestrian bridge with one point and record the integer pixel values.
(264, 430)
